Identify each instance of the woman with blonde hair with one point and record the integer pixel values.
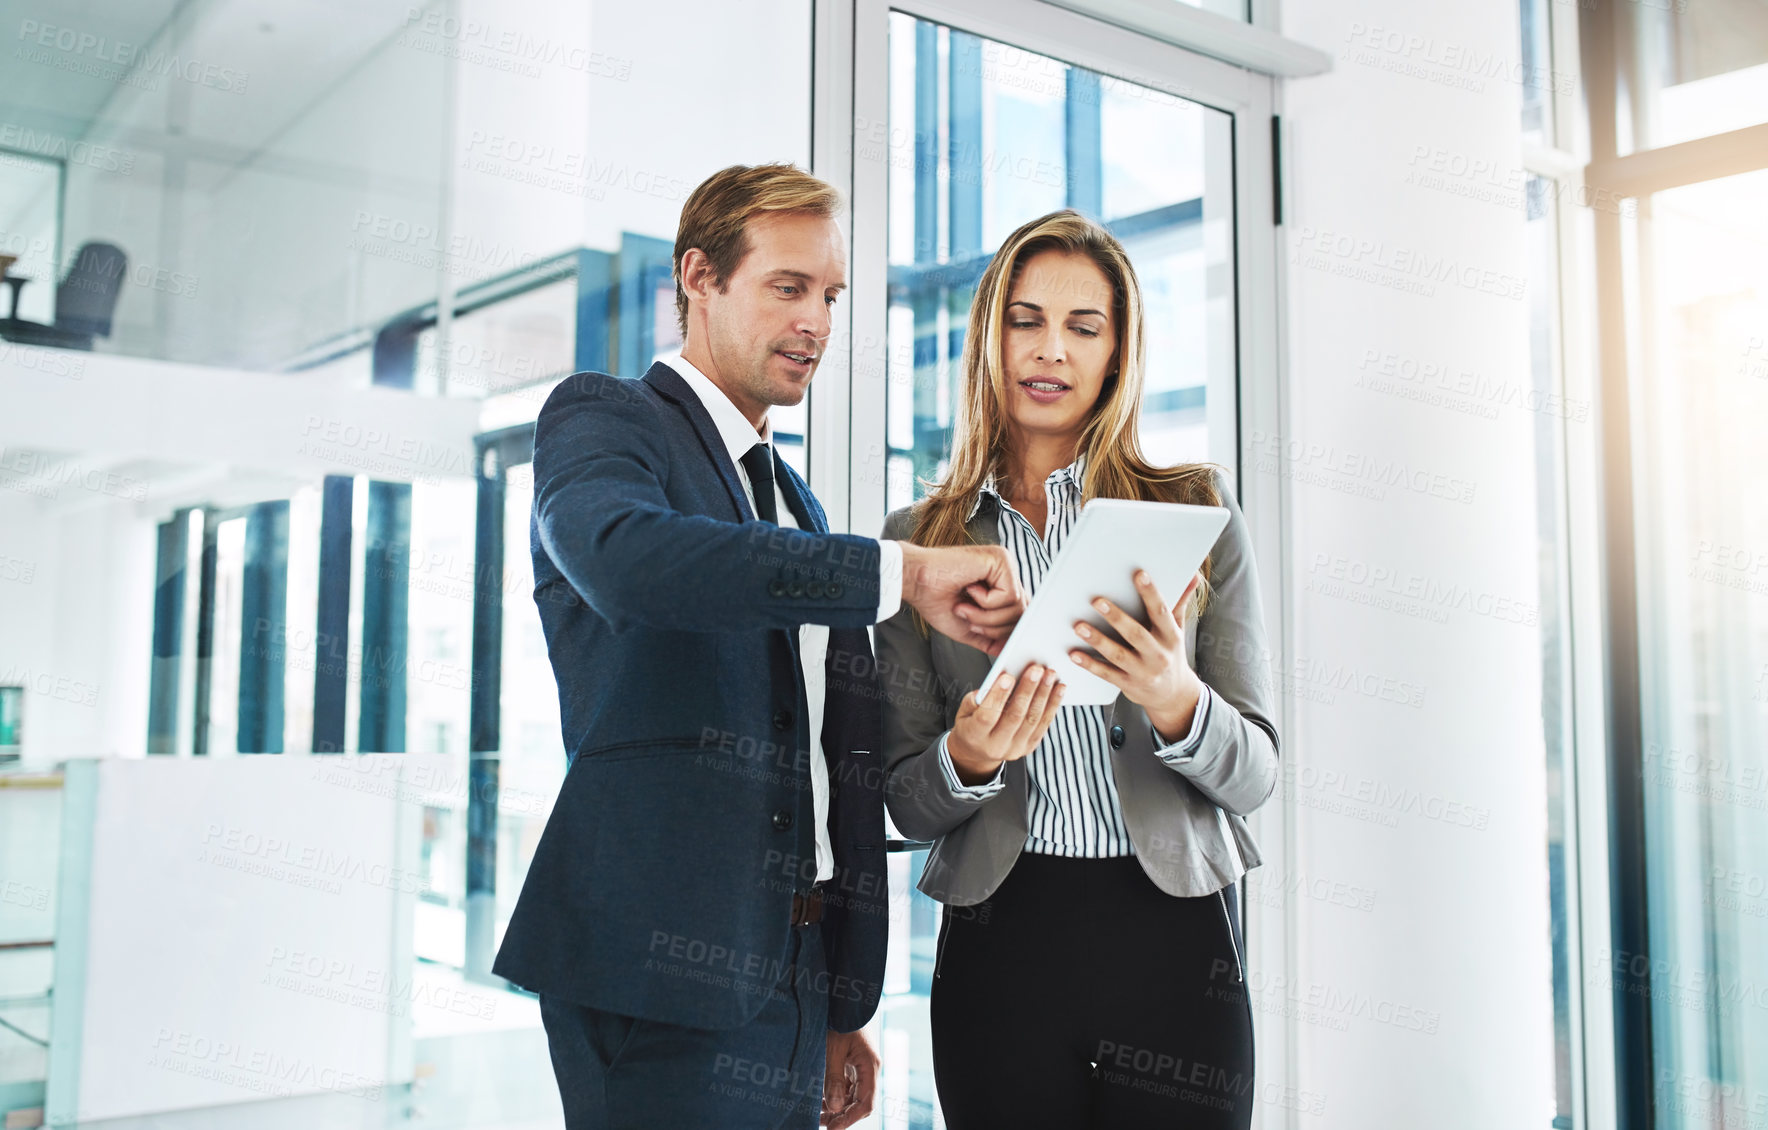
(1088, 970)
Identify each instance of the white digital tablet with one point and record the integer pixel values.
(1113, 538)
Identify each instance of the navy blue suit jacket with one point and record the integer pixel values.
(662, 885)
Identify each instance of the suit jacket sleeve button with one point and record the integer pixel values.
(782, 820)
(795, 589)
(1117, 737)
(815, 589)
(776, 587)
(832, 590)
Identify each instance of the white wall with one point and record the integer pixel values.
(76, 602)
(1428, 996)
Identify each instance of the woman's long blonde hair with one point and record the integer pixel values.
(1116, 467)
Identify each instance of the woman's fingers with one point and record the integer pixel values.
(1037, 717)
(987, 711)
(1133, 633)
(1184, 599)
(1048, 716)
(1012, 716)
(1109, 649)
(1110, 672)
(1160, 617)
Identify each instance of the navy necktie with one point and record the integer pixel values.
(758, 465)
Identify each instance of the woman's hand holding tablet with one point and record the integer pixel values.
(1112, 541)
(1149, 665)
(1004, 725)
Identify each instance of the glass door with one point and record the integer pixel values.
(968, 120)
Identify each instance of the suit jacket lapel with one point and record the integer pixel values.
(668, 382)
(984, 526)
(798, 497)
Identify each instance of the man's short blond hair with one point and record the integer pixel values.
(716, 217)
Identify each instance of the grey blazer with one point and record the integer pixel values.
(1187, 824)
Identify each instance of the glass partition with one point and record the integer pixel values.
(262, 184)
(30, 229)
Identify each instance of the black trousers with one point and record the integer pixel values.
(623, 1073)
(1082, 996)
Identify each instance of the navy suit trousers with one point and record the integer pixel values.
(622, 1073)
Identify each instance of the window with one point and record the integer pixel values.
(1682, 299)
(1694, 69)
(1698, 306)
(985, 136)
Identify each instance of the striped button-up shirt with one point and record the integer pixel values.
(1074, 805)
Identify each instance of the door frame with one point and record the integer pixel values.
(850, 93)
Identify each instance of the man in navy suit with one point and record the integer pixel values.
(706, 914)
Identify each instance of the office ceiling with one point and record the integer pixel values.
(287, 54)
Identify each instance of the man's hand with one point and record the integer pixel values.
(967, 592)
(850, 1079)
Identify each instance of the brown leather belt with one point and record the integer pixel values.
(807, 909)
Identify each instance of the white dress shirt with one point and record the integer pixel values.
(1074, 809)
(739, 436)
